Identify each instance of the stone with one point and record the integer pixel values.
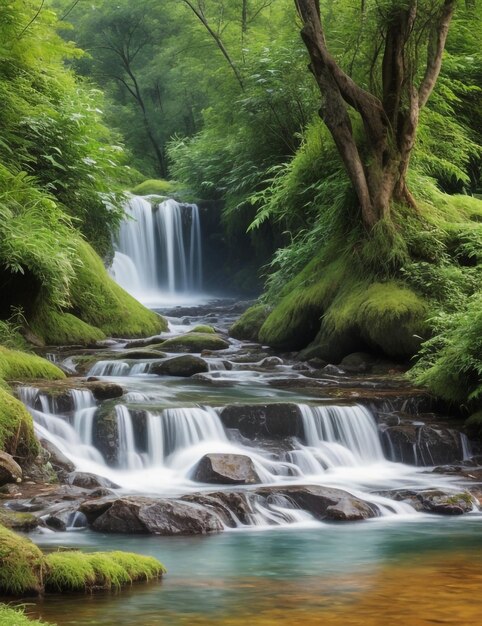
(357, 362)
(56, 458)
(183, 366)
(421, 444)
(19, 521)
(143, 343)
(434, 500)
(194, 343)
(226, 469)
(332, 370)
(138, 355)
(90, 481)
(157, 516)
(102, 390)
(274, 421)
(10, 470)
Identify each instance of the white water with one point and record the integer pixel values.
(158, 250)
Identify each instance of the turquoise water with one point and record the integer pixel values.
(243, 572)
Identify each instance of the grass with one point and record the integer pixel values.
(16, 365)
(57, 328)
(24, 568)
(250, 322)
(10, 616)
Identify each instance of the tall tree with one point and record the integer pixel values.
(408, 31)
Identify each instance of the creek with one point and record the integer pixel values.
(315, 449)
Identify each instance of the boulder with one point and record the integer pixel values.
(357, 362)
(56, 458)
(186, 365)
(102, 390)
(19, 521)
(273, 421)
(226, 469)
(10, 470)
(434, 500)
(90, 481)
(194, 343)
(157, 516)
(422, 444)
(143, 343)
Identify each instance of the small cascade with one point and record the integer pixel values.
(159, 248)
(128, 457)
(119, 368)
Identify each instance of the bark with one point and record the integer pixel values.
(390, 122)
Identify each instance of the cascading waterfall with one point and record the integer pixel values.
(158, 249)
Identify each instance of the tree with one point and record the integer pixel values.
(377, 164)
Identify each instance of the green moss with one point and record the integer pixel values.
(250, 322)
(16, 365)
(79, 571)
(58, 328)
(16, 428)
(99, 307)
(17, 521)
(194, 342)
(154, 187)
(20, 564)
(16, 617)
(203, 329)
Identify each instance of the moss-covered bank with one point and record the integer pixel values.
(25, 569)
(99, 307)
(10, 616)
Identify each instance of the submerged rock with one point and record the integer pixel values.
(10, 470)
(226, 469)
(157, 516)
(184, 366)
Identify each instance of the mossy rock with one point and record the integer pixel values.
(474, 424)
(184, 366)
(99, 308)
(17, 435)
(203, 328)
(20, 564)
(249, 324)
(14, 520)
(154, 187)
(10, 616)
(194, 342)
(16, 365)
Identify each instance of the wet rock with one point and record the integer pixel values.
(19, 521)
(357, 363)
(138, 355)
(349, 509)
(10, 470)
(90, 481)
(226, 469)
(332, 370)
(102, 390)
(194, 343)
(185, 366)
(148, 515)
(270, 362)
(56, 458)
(417, 443)
(230, 507)
(142, 343)
(275, 421)
(433, 500)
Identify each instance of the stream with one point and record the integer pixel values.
(332, 505)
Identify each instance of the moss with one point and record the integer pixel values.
(194, 342)
(16, 617)
(57, 328)
(250, 322)
(203, 328)
(16, 365)
(79, 571)
(17, 521)
(99, 307)
(16, 428)
(20, 564)
(154, 187)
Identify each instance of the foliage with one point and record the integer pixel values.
(21, 564)
(16, 428)
(15, 616)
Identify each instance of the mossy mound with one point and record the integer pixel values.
(20, 564)
(194, 342)
(16, 617)
(16, 365)
(154, 187)
(17, 435)
(250, 322)
(203, 328)
(24, 568)
(99, 307)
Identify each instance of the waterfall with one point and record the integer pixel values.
(158, 249)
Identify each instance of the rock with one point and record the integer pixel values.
(270, 362)
(138, 355)
(142, 343)
(357, 362)
(226, 469)
(90, 481)
(421, 444)
(194, 343)
(186, 365)
(349, 509)
(274, 421)
(148, 515)
(332, 370)
(10, 470)
(57, 459)
(23, 522)
(102, 390)
(433, 500)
